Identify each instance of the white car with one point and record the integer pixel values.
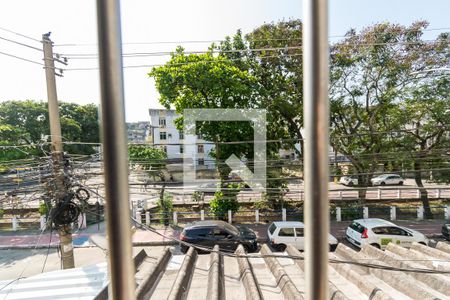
(281, 234)
(379, 233)
(348, 180)
(387, 179)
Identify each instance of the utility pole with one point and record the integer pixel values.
(60, 190)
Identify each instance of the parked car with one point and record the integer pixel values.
(208, 188)
(387, 179)
(349, 180)
(211, 233)
(281, 234)
(446, 230)
(379, 233)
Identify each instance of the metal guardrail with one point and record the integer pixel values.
(266, 215)
(378, 193)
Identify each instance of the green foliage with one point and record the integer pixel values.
(240, 79)
(3, 169)
(197, 196)
(262, 204)
(166, 203)
(208, 81)
(2, 212)
(276, 186)
(148, 158)
(44, 209)
(367, 86)
(165, 207)
(24, 123)
(220, 205)
(350, 213)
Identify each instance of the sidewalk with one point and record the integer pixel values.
(16, 240)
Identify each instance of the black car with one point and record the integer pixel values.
(211, 233)
(446, 230)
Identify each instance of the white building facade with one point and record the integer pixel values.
(165, 135)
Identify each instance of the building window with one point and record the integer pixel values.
(200, 136)
(201, 162)
(181, 149)
(170, 135)
(164, 148)
(181, 133)
(162, 136)
(162, 122)
(200, 149)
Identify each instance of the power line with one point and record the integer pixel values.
(20, 34)
(222, 40)
(21, 58)
(189, 63)
(218, 51)
(22, 44)
(177, 64)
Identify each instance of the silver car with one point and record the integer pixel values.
(387, 179)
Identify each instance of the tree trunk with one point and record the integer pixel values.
(362, 188)
(423, 191)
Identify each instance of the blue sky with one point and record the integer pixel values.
(73, 22)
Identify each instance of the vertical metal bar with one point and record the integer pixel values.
(316, 122)
(121, 267)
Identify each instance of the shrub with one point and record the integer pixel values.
(165, 207)
(197, 196)
(220, 205)
(44, 209)
(261, 204)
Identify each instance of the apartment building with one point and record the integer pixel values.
(138, 132)
(164, 134)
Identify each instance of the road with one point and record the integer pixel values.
(28, 262)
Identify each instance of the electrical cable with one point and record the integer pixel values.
(222, 40)
(176, 64)
(219, 51)
(48, 248)
(20, 34)
(21, 44)
(21, 58)
(26, 266)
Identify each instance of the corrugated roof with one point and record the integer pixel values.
(78, 283)
(382, 275)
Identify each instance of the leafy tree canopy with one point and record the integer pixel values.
(26, 122)
(371, 73)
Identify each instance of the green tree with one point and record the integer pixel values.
(370, 73)
(153, 160)
(27, 123)
(165, 207)
(10, 136)
(209, 81)
(235, 78)
(276, 62)
(424, 118)
(221, 204)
